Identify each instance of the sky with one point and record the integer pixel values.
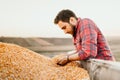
(35, 18)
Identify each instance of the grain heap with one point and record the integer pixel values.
(19, 63)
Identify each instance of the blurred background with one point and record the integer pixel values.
(29, 23)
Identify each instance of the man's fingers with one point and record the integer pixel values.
(62, 62)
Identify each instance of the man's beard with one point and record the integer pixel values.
(74, 29)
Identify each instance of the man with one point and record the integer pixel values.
(88, 39)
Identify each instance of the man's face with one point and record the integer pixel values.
(66, 27)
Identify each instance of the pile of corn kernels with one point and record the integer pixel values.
(19, 63)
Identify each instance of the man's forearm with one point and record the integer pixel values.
(71, 52)
(74, 57)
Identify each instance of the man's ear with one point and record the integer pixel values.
(72, 20)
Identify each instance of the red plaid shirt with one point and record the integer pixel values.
(90, 42)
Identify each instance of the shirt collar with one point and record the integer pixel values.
(78, 23)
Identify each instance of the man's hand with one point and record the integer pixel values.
(63, 60)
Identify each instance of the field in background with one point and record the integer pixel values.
(53, 46)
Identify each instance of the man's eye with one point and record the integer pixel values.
(64, 27)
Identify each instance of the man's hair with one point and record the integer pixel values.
(64, 15)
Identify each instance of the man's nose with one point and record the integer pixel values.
(65, 31)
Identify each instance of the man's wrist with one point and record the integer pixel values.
(68, 58)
